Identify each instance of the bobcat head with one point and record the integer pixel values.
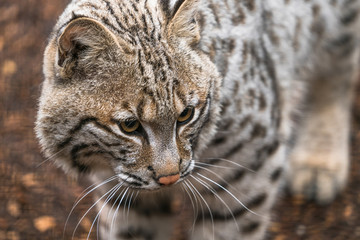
(131, 93)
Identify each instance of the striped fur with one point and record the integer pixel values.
(246, 69)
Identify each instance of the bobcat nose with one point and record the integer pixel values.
(168, 180)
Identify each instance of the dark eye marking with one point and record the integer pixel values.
(79, 126)
(102, 141)
(88, 150)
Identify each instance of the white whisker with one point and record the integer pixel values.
(232, 195)
(195, 210)
(107, 217)
(125, 203)
(77, 225)
(122, 194)
(206, 204)
(137, 194)
(229, 161)
(220, 177)
(129, 203)
(213, 165)
(113, 205)
(211, 189)
(197, 201)
(86, 192)
(109, 197)
(49, 158)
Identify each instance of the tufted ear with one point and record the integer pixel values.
(82, 41)
(182, 20)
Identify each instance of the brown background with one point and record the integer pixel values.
(35, 199)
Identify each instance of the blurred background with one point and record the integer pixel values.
(36, 197)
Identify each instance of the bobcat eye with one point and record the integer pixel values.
(130, 126)
(186, 115)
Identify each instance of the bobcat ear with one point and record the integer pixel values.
(182, 22)
(84, 39)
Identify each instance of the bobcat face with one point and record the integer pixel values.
(109, 103)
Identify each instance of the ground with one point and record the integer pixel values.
(36, 197)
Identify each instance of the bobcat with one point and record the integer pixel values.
(205, 105)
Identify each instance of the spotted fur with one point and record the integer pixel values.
(261, 82)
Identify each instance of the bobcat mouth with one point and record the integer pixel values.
(135, 181)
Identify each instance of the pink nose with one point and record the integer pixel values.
(168, 180)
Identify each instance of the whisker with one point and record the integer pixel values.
(134, 199)
(77, 225)
(206, 204)
(193, 205)
(223, 180)
(220, 177)
(229, 161)
(213, 165)
(113, 205)
(86, 192)
(129, 203)
(232, 195)
(107, 217)
(196, 201)
(211, 189)
(50, 158)
(125, 203)
(137, 194)
(109, 197)
(118, 206)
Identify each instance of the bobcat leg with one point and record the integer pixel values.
(319, 162)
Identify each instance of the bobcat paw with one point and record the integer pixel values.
(318, 179)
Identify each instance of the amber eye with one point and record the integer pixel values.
(130, 126)
(186, 115)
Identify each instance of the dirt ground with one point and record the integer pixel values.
(36, 197)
